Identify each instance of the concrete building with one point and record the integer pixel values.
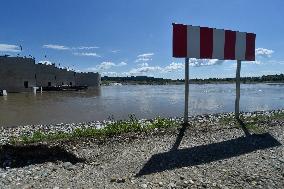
(20, 74)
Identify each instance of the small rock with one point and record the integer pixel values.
(253, 183)
(144, 185)
(26, 186)
(2, 175)
(160, 184)
(120, 180)
(56, 187)
(69, 166)
(191, 181)
(172, 185)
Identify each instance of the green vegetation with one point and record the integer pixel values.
(111, 129)
(133, 125)
(252, 122)
(144, 80)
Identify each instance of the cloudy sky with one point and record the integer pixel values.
(131, 37)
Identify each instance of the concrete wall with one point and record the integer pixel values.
(90, 79)
(15, 71)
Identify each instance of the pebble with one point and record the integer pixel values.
(191, 181)
(69, 166)
(172, 185)
(126, 158)
(144, 185)
(120, 180)
(26, 186)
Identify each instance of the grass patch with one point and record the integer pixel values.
(252, 122)
(111, 129)
(227, 120)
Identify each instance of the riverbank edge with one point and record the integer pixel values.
(103, 130)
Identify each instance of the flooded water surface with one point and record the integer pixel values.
(144, 101)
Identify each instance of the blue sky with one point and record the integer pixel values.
(132, 37)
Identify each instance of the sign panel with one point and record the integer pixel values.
(210, 43)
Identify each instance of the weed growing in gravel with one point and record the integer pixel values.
(111, 129)
(252, 122)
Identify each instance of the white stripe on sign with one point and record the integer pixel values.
(240, 48)
(193, 42)
(218, 44)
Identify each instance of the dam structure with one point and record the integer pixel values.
(21, 74)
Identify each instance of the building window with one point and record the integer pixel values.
(26, 84)
(49, 84)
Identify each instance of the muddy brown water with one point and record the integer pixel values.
(145, 101)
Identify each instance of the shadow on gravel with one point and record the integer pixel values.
(207, 153)
(243, 127)
(180, 136)
(20, 156)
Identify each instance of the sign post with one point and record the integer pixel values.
(211, 43)
(237, 101)
(186, 82)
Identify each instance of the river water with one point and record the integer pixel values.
(145, 101)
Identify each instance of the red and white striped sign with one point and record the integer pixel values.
(210, 43)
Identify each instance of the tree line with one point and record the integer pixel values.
(277, 78)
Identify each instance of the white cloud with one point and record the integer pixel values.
(122, 64)
(110, 74)
(144, 57)
(144, 64)
(144, 70)
(106, 65)
(9, 48)
(253, 62)
(174, 67)
(55, 47)
(63, 47)
(46, 62)
(204, 62)
(262, 52)
(115, 51)
(86, 54)
(85, 48)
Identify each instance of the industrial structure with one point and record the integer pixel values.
(20, 74)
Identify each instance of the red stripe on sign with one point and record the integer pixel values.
(179, 40)
(230, 42)
(250, 46)
(206, 42)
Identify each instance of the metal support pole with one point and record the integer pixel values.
(237, 102)
(185, 118)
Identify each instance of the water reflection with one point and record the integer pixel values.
(143, 101)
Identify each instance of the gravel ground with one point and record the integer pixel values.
(205, 154)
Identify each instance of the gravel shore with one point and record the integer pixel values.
(208, 153)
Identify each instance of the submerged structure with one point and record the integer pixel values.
(20, 74)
